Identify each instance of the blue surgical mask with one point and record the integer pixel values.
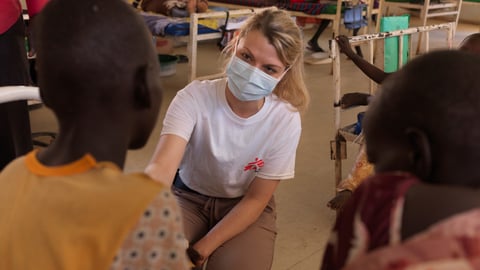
(247, 82)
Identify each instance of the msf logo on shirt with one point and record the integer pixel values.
(254, 165)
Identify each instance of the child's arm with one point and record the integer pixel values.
(354, 99)
(367, 68)
(192, 6)
(202, 6)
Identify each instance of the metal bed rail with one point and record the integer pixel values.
(341, 136)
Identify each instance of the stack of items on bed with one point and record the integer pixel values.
(161, 25)
(311, 8)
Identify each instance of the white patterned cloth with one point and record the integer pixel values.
(157, 241)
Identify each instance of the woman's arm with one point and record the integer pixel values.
(239, 218)
(166, 159)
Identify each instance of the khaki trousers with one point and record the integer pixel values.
(250, 250)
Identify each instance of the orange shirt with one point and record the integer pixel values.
(74, 216)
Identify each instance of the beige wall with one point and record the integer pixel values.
(470, 12)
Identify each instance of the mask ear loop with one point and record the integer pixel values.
(289, 67)
(285, 72)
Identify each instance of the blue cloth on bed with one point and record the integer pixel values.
(156, 24)
(183, 29)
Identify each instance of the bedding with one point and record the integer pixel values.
(310, 8)
(160, 25)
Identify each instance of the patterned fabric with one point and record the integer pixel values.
(370, 219)
(361, 170)
(308, 8)
(157, 241)
(451, 244)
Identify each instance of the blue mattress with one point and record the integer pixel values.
(183, 29)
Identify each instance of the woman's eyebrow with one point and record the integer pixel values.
(274, 66)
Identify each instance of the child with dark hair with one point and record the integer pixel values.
(362, 168)
(70, 206)
(422, 137)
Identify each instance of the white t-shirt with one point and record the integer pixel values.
(225, 152)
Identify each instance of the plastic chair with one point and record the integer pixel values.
(30, 93)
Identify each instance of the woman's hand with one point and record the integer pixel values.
(242, 215)
(195, 257)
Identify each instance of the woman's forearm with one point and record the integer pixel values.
(166, 159)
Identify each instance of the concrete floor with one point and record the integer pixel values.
(304, 221)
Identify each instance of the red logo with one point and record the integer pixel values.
(254, 165)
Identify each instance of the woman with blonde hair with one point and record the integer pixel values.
(226, 144)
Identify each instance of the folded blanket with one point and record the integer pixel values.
(156, 24)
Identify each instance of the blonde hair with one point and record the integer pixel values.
(283, 33)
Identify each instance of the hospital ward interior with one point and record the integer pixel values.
(326, 153)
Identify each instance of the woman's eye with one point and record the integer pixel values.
(270, 70)
(246, 57)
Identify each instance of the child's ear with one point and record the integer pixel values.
(420, 152)
(141, 92)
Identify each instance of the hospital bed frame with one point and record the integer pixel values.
(335, 18)
(239, 10)
(344, 134)
(194, 37)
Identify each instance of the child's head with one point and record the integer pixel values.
(95, 57)
(284, 35)
(471, 43)
(426, 119)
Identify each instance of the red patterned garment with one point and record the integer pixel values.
(451, 244)
(370, 219)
